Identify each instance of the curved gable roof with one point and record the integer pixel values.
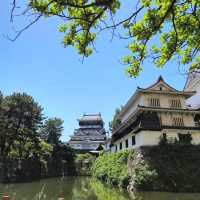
(160, 84)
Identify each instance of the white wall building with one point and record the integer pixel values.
(153, 112)
(193, 84)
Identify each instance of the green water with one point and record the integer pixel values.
(81, 188)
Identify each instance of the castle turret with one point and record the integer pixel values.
(90, 134)
(193, 84)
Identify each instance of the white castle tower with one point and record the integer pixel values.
(193, 84)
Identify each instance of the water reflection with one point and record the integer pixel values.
(105, 192)
(81, 188)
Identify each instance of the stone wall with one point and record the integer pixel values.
(168, 167)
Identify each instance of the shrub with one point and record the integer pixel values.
(112, 168)
(84, 163)
(145, 177)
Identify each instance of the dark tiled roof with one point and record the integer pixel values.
(151, 90)
(168, 109)
(144, 121)
(89, 131)
(181, 127)
(90, 134)
(160, 79)
(92, 119)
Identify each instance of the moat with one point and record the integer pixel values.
(81, 188)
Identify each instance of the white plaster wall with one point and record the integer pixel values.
(164, 99)
(196, 138)
(167, 119)
(194, 85)
(164, 87)
(107, 146)
(150, 138)
(139, 139)
(133, 107)
(123, 141)
(189, 120)
(143, 100)
(112, 149)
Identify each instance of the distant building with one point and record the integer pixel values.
(90, 134)
(107, 147)
(154, 112)
(193, 84)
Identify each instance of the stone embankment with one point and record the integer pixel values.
(167, 167)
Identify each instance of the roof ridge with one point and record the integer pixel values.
(99, 114)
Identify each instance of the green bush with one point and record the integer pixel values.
(145, 177)
(84, 163)
(172, 167)
(112, 168)
(82, 157)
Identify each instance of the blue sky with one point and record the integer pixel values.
(38, 64)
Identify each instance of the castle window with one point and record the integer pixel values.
(175, 103)
(127, 143)
(115, 148)
(120, 145)
(154, 102)
(133, 140)
(178, 121)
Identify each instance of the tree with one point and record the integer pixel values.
(22, 119)
(29, 148)
(3, 146)
(68, 159)
(175, 22)
(52, 130)
(116, 122)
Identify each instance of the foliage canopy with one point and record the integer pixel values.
(116, 122)
(30, 148)
(112, 168)
(52, 130)
(175, 22)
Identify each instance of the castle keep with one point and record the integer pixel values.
(90, 134)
